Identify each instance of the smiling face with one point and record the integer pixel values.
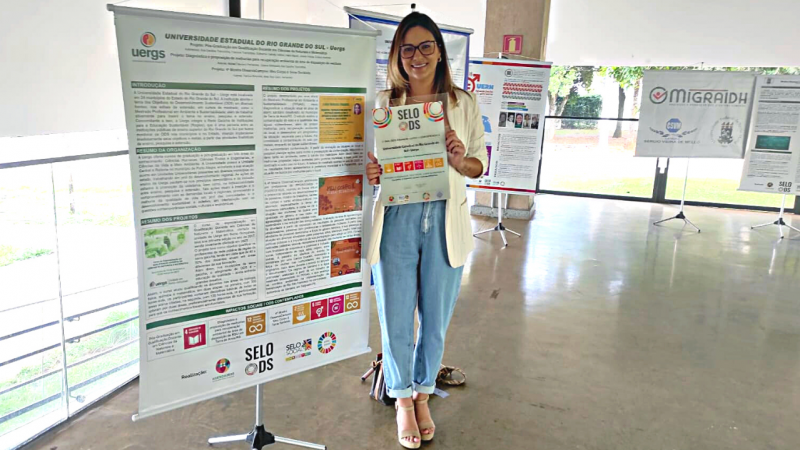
(420, 67)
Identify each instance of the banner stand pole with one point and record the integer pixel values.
(500, 227)
(260, 437)
(680, 214)
(780, 223)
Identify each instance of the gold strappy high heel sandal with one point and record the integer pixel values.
(426, 424)
(402, 435)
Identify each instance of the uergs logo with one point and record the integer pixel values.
(148, 40)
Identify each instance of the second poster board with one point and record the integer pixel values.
(456, 39)
(772, 163)
(513, 100)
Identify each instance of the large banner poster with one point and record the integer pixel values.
(513, 99)
(772, 163)
(694, 114)
(247, 147)
(455, 39)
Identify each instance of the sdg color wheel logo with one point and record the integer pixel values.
(433, 111)
(381, 117)
(223, 365)
(148, 39)
(326, 343)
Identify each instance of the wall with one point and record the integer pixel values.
(675, 32)
(59, 68)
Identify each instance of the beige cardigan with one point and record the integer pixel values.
(465, 118)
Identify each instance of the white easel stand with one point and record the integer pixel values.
(680, 214)
(500, 227)
(780, 223)
(260, 437)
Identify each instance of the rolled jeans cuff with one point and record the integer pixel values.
(424, 389)
(400, 393)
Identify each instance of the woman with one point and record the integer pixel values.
(502, 119)
(511, 119)
(357, 109)
(519, 120)
(527, 120)
(417, 251)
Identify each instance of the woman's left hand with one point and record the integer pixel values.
(455, 150)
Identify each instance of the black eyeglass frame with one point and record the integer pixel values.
(417, 47)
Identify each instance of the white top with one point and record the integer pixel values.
(465, 118)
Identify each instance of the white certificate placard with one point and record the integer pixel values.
(410, 145)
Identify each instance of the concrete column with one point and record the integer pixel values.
(528, 18)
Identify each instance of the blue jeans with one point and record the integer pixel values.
(414, 273)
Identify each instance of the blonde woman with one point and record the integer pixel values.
(418, 251)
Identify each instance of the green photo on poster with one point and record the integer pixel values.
(162, 241)
(765, 142)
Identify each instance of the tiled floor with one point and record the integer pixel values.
(596, 330)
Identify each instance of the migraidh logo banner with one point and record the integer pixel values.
(678, 96)
(694, 114)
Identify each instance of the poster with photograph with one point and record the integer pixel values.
(512, 97)
(248, 142)
(694, 114)
(772, 162)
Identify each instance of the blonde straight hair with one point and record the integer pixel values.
(397, 80)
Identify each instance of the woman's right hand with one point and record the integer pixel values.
(373, 170)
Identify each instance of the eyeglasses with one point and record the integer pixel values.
(426, 48)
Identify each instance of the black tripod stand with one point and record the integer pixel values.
(500, 227)
(260, 437)
(780, 223)
(681, 215)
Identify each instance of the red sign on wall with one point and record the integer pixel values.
(512, 44)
